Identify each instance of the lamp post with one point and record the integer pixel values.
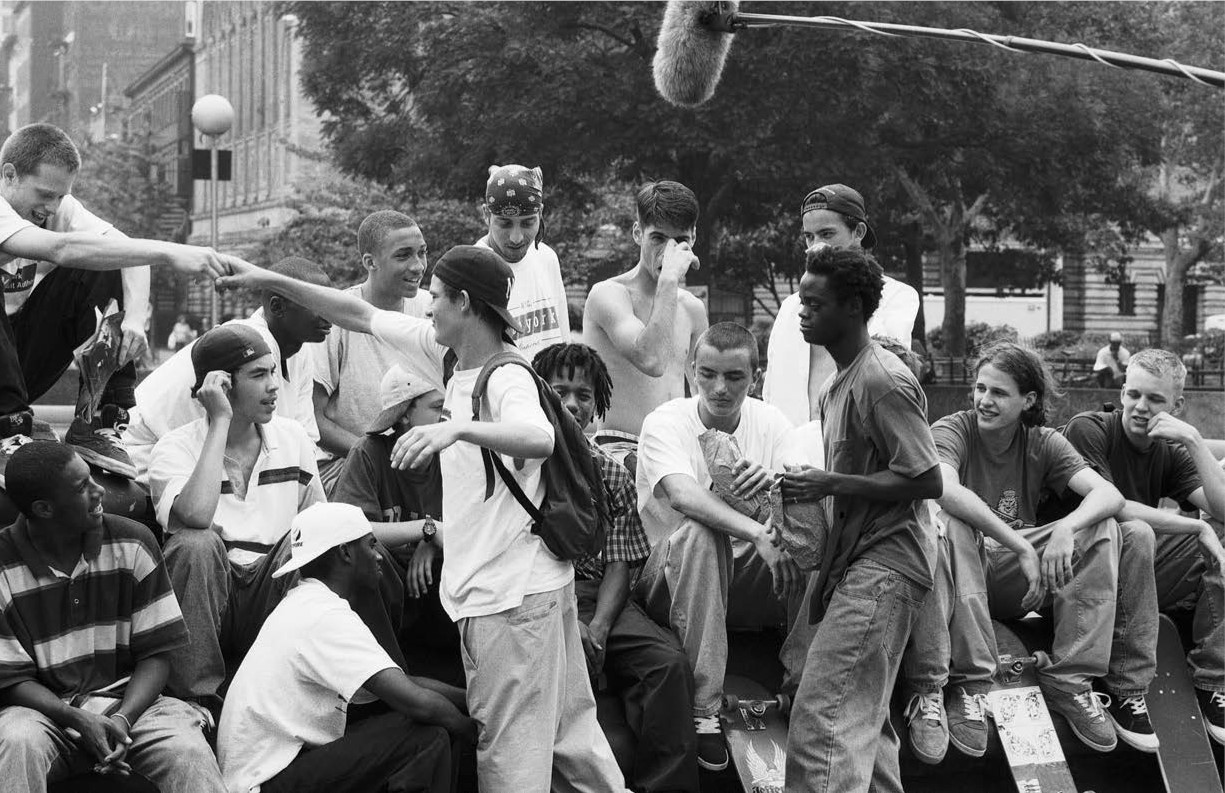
(213, 115)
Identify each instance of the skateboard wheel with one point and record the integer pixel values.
(730, 702)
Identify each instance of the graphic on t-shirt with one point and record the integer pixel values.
(1008, 508)
(22, 280)
(538, 320)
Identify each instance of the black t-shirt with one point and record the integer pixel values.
(1163, 470)
(384, 494)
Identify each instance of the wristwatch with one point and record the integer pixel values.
(428, 530)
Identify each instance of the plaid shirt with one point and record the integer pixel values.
(626, 541)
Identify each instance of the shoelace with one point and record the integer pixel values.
(924, 706)
(972, 705)
(1136, 705)
(1092, 702)
(707, 725)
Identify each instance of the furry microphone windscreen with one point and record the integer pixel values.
(689, 55)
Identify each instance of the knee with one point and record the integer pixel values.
(23, 731)
(1136, 536)
(193, 546)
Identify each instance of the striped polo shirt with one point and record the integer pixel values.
(283, 482)
(83, 632)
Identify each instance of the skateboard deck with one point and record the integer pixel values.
(755, 725)
(1187, 762)
(1024, 724)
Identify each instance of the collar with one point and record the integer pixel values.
(34, 559)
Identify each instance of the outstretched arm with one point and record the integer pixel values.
(338, 307)
(86, 251)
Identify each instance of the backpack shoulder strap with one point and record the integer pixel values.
(482, 379)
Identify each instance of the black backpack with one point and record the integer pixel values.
(573, 518)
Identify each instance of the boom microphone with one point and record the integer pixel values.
(691, 50)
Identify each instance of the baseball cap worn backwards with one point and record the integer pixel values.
(843, 200)
(318, 529)
(483, 274)
(396, 391)
(513, 191)
(225, 348)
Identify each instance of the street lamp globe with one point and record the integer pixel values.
(212, 114)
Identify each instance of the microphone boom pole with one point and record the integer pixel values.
(733, 21)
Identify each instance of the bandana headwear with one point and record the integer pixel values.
(513, 191)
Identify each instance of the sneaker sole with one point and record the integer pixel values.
(708, 766)
(966, 750)
(1097, 747)
(1215, 733)
(930, 759)
(107, 464)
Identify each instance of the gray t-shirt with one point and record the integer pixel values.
(1012, 482)
(874, 418)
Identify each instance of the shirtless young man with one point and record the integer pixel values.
(642, 323)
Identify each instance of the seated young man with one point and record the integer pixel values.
(284, 727)
(998, 462)
(1149, 454)
(643, 662)
(404, 506)
(163, 399)
(691, 574)
(87, 624)
(225, 489)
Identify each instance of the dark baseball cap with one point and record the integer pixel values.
(225, 348)
(483, 274)
(843, 200)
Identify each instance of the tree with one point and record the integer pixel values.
(951, 143)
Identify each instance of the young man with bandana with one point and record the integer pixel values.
(833, 216)
(514, 209)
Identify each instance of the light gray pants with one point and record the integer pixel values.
(168, 748)
(528, 688)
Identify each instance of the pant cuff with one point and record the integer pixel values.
(925, 686)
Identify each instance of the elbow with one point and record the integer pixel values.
(1115, 501)
(930, 485)
(650, 365)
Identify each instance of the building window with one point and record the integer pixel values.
(1127, 299)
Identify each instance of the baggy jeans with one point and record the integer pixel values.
(529, 690)
(1156, 573)
(168, 747)
(841, 739)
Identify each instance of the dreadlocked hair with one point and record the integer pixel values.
(565, 358)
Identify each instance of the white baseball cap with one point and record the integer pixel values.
(396, 390)
(320, 528)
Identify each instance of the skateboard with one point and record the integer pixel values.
(1024, 724)
(1185, 756)
(755, 724)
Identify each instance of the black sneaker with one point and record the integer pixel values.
(1131, 722)
(1212, 705)
(96, 448)
(712, 748)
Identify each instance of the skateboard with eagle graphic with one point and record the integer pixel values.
(755, 725)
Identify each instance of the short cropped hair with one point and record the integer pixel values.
(724, 336)
(35, 471)
(851, 272)
(1161, 363)
(667, 203)
(565, 358)
(377, 225)
(299, 269)
(40, 144)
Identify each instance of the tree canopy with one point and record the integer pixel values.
(950, 143)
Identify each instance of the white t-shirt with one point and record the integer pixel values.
(669, 445)
(283, 482)
(22, 275)
(294, 687)
(796, 370)
(495, 559)
(350, 367)
(1106, 361)
(164, 401)
(538, 299)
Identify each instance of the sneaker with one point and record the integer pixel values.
(1084, 714)
(967, 721)
(927, 727)
(98, 449)
(18, 429)
(1131, 723)
(712, 748)
(1212, 705)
